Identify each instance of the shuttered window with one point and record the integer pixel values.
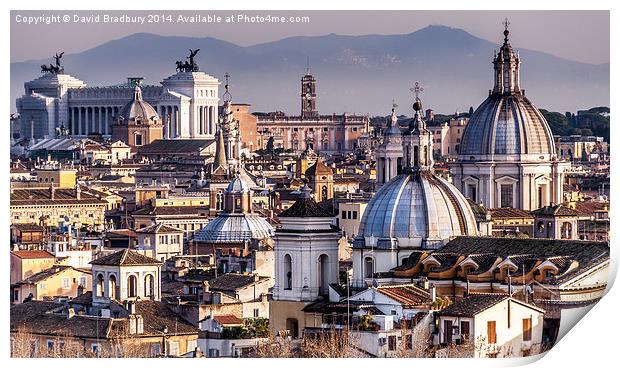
(527, 329)
(491, 335)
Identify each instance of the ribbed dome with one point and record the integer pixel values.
(235, 228)
(138, 109)
(507, 124)
(418, 205)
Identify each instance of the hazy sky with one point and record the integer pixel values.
(576, 35)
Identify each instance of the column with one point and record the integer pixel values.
(73, 120)
(101, 129)
(107, 120)
(79, 127)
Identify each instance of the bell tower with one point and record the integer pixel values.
(308, 95)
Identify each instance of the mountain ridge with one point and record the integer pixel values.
(355, 73)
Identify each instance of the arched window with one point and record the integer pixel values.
(540, 226)
(132, 286)
(324, 192)
(369, 267)
(99, 285)
(425, 155)
(149, 286)
(112, 293)
(288, 272)
(219, 201)
(567, 230)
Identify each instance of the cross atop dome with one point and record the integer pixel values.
(506, 23)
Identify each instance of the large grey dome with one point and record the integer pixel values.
(507, 124)
(235, 228)
(417, 209)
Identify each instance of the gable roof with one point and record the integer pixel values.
(474, 304)
(228, 319)
(158, 229)
(125, 257)
(557, 210)
(408, 295)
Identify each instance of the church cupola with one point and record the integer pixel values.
(389, 153)
(506, 67)
(417, 140)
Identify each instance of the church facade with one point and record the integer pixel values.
(186, 102)
(507, 155)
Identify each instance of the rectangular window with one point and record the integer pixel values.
(65, 283)
(174, 348)
(50, 345)
(15, 295)
(256, 311)
(191, 345)
(214, 353)
(464, 329)
(354, 215)
(491, 335)
(391, 343)
(527, 329)
(95, 348)
(473, 192)
(83, 280)
(155, 351)
(506, 195)
(344, 215)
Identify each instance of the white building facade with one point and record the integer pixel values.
(187, 103)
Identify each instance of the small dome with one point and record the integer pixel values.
(235, 228)
(241, 183)
(418, 209)
(138, 109)
(507, 124)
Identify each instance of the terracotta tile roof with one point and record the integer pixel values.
(28, 227)
(472, 305)
(557, 210)
(32, 254)
(126, 257)
(45, 274)
(21, 197)
(409, 295)
(587, 208)
(508, 213)
(158, 229)
(476, 303)
(228, 319)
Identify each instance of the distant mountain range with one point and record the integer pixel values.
(356, 74)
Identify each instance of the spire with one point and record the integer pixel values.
(220, 151)
(227, 97)
(392, 123)
(307, 65)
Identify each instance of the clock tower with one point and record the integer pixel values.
(308, 96)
